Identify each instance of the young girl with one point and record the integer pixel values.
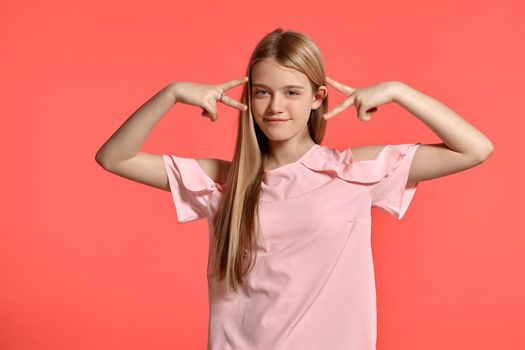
(290, 263)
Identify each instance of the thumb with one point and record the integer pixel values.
(207, 114)
(361, 112)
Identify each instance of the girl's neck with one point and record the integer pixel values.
(282, 153)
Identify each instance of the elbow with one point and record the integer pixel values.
(486, 153)
(490, 150)
(100, 160)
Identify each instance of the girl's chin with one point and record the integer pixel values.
(278, 136)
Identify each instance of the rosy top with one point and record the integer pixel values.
(313, 285)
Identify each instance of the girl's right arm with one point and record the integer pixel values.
(121, 155)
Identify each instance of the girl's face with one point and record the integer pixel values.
(282, 93)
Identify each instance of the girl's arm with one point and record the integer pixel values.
(121, 153)
(463, 145)
(126, 142)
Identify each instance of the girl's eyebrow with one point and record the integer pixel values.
(284, 87)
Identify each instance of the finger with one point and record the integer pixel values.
(205, 113)
(342, 88)
(211, 110)
(369, 113)
(233, 103)
(339, 108)
(361, 113)
(232, 83)
(365, 114)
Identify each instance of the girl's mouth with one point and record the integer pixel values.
(276, 121)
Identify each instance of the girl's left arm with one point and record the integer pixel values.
(463, 145)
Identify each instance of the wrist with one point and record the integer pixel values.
(171, 91)
(398, 89)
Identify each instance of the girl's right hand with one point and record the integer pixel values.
(206, 96)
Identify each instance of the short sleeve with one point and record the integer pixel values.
(191, 188)
(393, 192)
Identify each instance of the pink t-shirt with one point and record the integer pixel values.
(313, 286)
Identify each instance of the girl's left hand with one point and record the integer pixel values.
(366, 100)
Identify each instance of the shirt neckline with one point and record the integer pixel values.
(285, 166)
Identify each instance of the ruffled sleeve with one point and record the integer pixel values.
(385, 176)
(191, 188)
(393, 192)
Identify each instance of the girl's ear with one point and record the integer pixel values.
(319, 96)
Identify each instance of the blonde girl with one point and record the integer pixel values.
(290, 263)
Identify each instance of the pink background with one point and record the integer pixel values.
(89, 260)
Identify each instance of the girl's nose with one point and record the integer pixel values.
(276, 104)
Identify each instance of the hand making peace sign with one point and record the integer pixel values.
(206, 96)
(366, 100)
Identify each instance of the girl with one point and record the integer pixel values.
(290, 263)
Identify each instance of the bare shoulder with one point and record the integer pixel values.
(216, 169)
(367, 152)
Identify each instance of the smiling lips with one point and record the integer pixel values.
(275, 120)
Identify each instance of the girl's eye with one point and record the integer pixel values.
(294, 92)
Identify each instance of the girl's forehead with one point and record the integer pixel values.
(273, 74)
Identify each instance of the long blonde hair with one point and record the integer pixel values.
(236, 222)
